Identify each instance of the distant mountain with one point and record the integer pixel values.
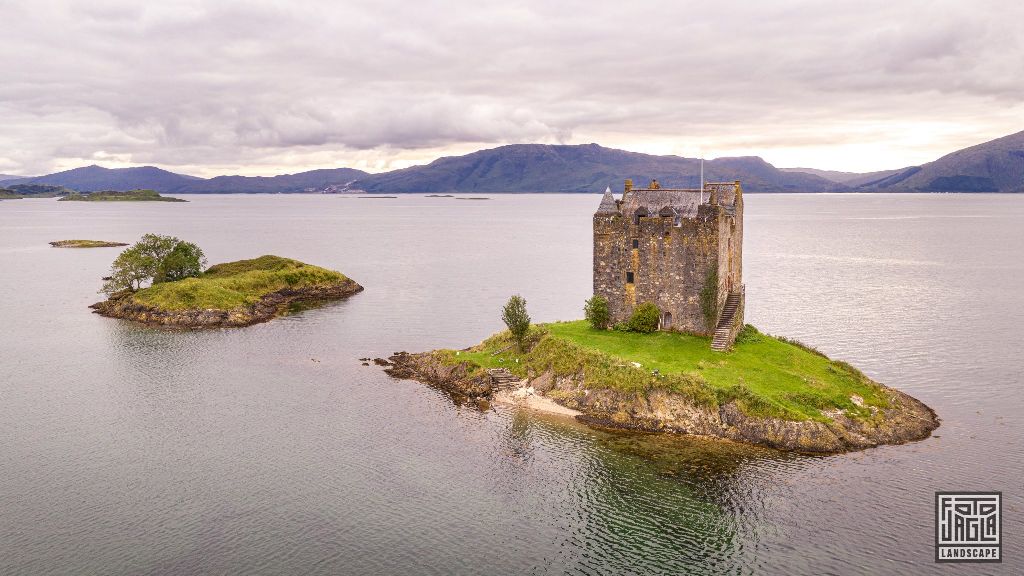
(92, 178)
(582, 168)
(853, 179)
(314, 180)
(995, 166)
(4, 177)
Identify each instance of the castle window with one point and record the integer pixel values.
(636, 243)
(629, 277)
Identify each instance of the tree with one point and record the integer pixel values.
(517, 319)
(155, 259)
(645, 318)
(129, 271)
(596, 312)
(184, 261)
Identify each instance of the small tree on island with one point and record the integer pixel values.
(596, 312)
(185, 260)
(154, 259)
(517, 319)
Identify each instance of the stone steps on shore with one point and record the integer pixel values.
(502, 378)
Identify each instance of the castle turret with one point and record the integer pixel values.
(607, 203)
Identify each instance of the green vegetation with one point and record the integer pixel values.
(6, 194)
(765, 376)
(155, 259)
(514, 316)
(234, 284)
(115, 196)
(709, 298)
(596, 312)
(85, 244)
(645, 318)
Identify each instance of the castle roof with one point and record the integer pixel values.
(653, 201)
(607, 202)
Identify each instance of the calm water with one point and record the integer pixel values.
(271, 450)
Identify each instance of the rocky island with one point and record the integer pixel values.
(766, 391)
(115, 196)
(665, 346)
(229, 295)
(86, 244)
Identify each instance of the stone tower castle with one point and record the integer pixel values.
(681, 249)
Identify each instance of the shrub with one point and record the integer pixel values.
(596, 312)
(645, 318)
(748, 334)
(517, 319)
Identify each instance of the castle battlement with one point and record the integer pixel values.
(680, 248)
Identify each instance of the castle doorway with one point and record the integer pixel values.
(666, 321)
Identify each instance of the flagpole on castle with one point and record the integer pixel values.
(702, 179)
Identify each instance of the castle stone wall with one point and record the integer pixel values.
(672, 260)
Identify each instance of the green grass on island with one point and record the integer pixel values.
(114, 196)
(234, 284)
(86, 244)
(766, 376)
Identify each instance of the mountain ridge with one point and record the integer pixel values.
(994, 166)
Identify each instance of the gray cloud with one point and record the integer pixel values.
(204, 86)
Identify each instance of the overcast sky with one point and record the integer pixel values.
(258, 88)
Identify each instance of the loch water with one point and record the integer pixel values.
(271, 449)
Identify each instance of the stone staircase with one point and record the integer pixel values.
(502, 379)
(721, 340)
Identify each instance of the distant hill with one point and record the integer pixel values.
(301, 182)
(38, 190)
(852, 179)
(994, 166)
(582, 168)
(4, 177)
(94, 178)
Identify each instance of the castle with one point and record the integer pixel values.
(681, 249)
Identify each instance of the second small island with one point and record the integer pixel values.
(231, 294)
(118, 196)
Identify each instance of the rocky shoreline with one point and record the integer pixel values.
(271, 305)
(906, 420)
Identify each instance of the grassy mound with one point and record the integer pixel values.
(766, 376)
(233, 284)
(114, 196)
(85, 244)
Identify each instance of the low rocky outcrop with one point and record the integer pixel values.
(122, 305)
(905, 420)
(86, 244)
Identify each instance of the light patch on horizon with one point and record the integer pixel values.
(263, 88)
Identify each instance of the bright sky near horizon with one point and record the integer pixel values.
(268, 87)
